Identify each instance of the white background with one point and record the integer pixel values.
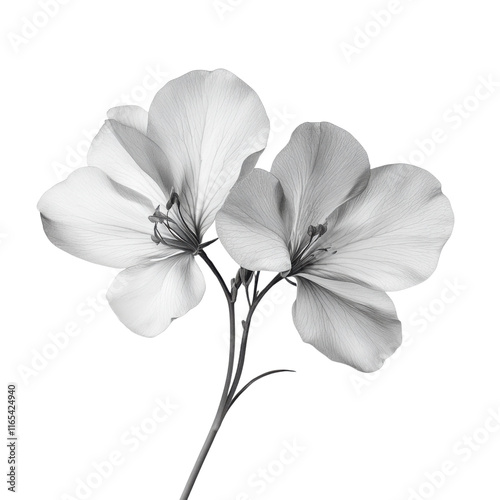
(358, 437)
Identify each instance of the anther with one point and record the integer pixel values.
(312, 231)
(322, 229)
(158, 216)
(173, 200)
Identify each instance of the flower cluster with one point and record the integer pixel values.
(321, 219)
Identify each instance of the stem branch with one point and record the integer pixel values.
(244, 340)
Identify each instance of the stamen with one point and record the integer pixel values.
(158, 234)
(185, 223)
(158, 216)
(183, 236)
(172, 231)
(302, 258)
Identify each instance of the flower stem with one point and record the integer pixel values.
(222, 404)
(229, 389)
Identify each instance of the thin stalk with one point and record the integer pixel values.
(222, 404)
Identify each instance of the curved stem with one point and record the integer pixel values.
(255, 379)
(220, 279)
(222, 404)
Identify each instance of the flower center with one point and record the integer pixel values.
(309, 252)
(171, 229)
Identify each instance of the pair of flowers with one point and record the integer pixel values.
(159, 179)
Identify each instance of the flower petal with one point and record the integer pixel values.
(208, 124)
(131, 116)
(348, 323)
(250, 224)
(391, 235)
(92, 217)
(320, 168)
(147, 298)
(249, 164)
(132, 159)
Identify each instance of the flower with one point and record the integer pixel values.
(347, 234)
(155, 184)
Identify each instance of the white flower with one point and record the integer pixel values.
(346, 233)
(154, 185)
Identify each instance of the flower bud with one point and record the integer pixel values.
(234, 290)
(237, 279)
(245, 276)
